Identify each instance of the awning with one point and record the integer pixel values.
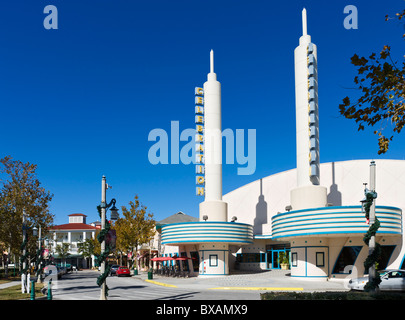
(162, 259)
(171, 259)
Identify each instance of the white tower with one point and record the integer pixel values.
(308, 193)
(213, 207)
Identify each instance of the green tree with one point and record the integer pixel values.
(87, 248)
(381, 81)
(63, 251)
(21, 191)
(135, 228)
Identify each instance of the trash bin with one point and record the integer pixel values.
(135, 272)
(150, 274)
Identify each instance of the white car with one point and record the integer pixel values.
(391, 280)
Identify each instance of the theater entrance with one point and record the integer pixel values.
(273, 255)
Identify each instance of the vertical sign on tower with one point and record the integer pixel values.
(199, 140)
(312, 115)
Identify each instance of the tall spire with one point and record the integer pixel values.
(304, 22)
(305, 38)
(212, 61)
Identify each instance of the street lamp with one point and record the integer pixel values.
(25, 272)
(39, 258)
(114, 216)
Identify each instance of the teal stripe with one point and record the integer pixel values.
(208, 222)
(201, 231)
(198, 237)
(330, 225)
(198, 241)
(337, 207)
(328, 232)
(227, 226)
(360, 218)
(277, 216)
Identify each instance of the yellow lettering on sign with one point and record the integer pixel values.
(199, 158)
(199, 119)
(200, 191)
(199, 128)
(199, 100)
(200, 179)
(199, 169)
(199, 148)
(199, 91)
(199, 110)
(199, 138)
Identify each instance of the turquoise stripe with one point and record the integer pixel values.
(201, 236)
(208, 222)
(174, 232)
(328, 232)
(198, 241)
(277, 216)
(333, 208)
(330, 225)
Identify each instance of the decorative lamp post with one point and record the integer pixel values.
(105, 228)
(38, 263)
(368, 207)
(23, 258)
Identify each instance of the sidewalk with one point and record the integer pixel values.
(10, 284)
(273, 280)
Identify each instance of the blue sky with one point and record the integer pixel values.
(81, 100)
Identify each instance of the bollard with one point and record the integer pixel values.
(32, 290)
(49, 291)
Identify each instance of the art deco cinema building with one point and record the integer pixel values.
(311, 213)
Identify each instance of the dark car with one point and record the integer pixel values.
(113, 270)
(123, 271)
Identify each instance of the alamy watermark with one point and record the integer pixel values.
(51, 20)
(234, 142)
(351, 20)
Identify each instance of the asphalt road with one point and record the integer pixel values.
(82, 286)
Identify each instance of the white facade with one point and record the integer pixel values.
(72, 233)
(328, 229)
(312, 213)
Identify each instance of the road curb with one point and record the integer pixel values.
(259, 288)
(161, 283)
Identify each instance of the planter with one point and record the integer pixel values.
(285, 266)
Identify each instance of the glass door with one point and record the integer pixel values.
(269, 260)
(276, 264)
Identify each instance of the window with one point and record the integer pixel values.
(347, 257)
(294, 259)
(320, 259)
(195, 259)
(213, 260)
(184, 262)
(382, 263)
(251, 257)
(386, 252)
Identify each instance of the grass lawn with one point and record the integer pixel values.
(14, 293)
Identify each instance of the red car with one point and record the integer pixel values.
(122, 271)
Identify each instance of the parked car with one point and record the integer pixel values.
(113, 270)
(391, 280)
(123, 271)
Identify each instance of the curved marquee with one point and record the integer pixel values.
(334, 221)
(204, 231)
